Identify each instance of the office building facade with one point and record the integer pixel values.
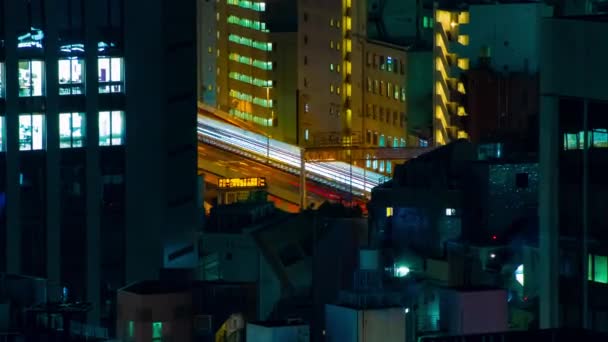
(88, 131)
(573, 163)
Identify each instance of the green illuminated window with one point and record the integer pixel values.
(256, 6)
(249, 98)
(130, 328)
(250, 80)
(250, 61)
(157, 331)
(264, 46)
(248, 23)
(598, 268)
(267, 122)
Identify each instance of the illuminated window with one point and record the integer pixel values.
(71, 76)
(450, 212)
(331, 44)
(331, 22)
(264, 46)
(519, 274)
(31, 78)
(331, 67)
(157, 331)
(2, 134)
(382, 141)
(389, 211)
(71, 130)
(381, 166)
(598, 268)
(2, 90)
(248, 4)
(306, 134)
(331, 88)
(389, 166)
(31, 132)
(389, 64)
(111, 74)
(111, 128)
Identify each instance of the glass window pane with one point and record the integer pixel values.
(37, 78)
(24, 78)
(37, 132)
(65, 130)
(104, 128)
(104, 69)
(116, 69)
(601, 269)
(25, 132)
(77, 130)
(64, 71)
(117, 128)
(2, 135)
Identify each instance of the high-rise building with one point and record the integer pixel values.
(573, 167)
(98, 146)
(505, 36)
(256, 63)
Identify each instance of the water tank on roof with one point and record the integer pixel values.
(368, 259)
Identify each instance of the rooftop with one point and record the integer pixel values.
(151, 287)
(590, 18)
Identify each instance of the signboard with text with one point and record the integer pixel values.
(242, 183)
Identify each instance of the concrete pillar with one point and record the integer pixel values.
(53, 208)
(13, 204)
(548, 212)
(93, 181)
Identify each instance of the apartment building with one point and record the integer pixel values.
(506, 36)
(87, 197)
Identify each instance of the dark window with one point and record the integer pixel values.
(305, 39)
(228, 256)
(521, 180)
(305, 17)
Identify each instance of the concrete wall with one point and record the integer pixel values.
(345, 324)
(159, 308)
(511, 31)
(474, 312)
(574, 58)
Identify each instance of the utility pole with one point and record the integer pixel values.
(302, 179)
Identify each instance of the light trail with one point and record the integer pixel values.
(287, 157)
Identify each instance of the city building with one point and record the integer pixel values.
(255, 48)
(503, 108)
(573, 163)
(179, 308)
(503, 36)
(154, 311)
(397, 96)
(331, 35)
(207, 51)
(98, 148)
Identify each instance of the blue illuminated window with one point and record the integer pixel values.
(382, 141)
(71, 130)
(2, 90)
(31, 78)
(111, 128)
(71, 76)
(2, 134)
(31, 132)
(111, 74)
